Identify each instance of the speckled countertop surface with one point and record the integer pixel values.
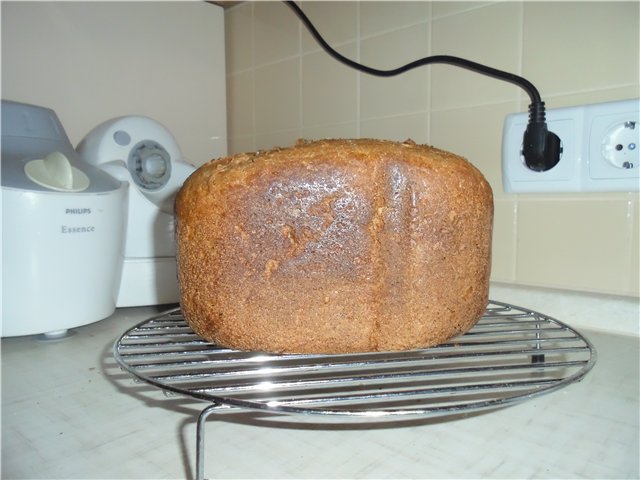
(69, 412)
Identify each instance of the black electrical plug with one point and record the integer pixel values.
(540, 147)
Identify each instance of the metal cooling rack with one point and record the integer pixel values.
(510, 355)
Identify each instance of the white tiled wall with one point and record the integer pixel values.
(282, 87)
(93, 61)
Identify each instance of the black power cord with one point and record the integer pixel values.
(541, 148)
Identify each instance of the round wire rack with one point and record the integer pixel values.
(510, 355)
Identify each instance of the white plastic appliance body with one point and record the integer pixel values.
(62, 242)
(144, 154)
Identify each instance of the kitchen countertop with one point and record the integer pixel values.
(69, 412)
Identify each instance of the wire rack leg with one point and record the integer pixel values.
(202, 419)
(537, 358)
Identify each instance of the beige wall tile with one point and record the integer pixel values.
(402, 94)
(503, 258)
(329, 89)
(577, 46)
(393, 49)
(476, 134)
(94, 61)
(591, 96)
(441, 9)
(398, 128)
(241, 102)
(277, 96)
(337, 23)
(241, 144)
(339, 130)
(276, 33)
(634, 256)
(383, 16)
(488, 35)
(238, 34)
(269, 140)
(381, 97)
(574, 243)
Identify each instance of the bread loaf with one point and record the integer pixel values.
(334, 246)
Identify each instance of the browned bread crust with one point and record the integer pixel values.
(334, 246)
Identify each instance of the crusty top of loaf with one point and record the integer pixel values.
(364, 149)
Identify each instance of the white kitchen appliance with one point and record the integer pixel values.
(144, 154)
(62, 228)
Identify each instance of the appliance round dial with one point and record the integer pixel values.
(150, 165)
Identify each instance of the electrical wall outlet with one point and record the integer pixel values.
(600, 150)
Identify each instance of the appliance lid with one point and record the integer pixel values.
(38, 156)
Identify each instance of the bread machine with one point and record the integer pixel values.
(62, 228)
(142, 153)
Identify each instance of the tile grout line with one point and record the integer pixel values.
(358, 74)
(516, 203)
(301, 82)
(253, 79)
